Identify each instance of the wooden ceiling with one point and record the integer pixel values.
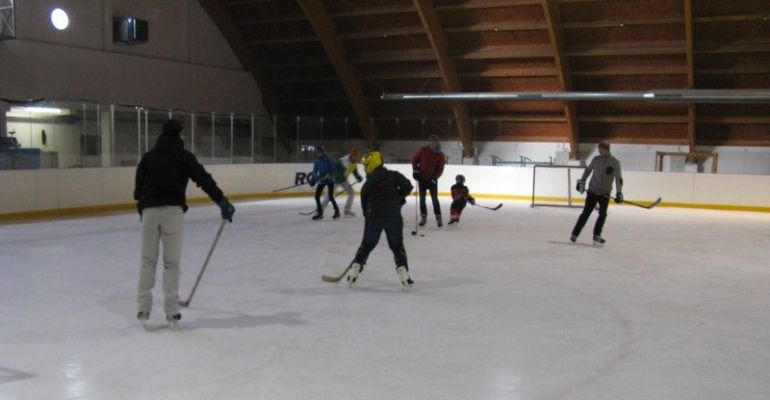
(334, 58)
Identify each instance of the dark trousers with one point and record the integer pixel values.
(431, 186)
(318, 190)
(373, 227)
(457, 207)
(591, 201)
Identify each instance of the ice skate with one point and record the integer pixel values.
(336, 214)
(349, 214)
(598, 241)
(403, 274)
(173, 320)
(573, 238)
(318, 216)
(144, 318)
(439, 222)
(355, 270)
(453, 221)
(423, 219)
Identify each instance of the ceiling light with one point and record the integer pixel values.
(43, 110)
(59, 19)
(26, 112)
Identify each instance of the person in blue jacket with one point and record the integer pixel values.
(323, 169)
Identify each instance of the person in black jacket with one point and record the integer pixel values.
(161, 182)
(382, 196)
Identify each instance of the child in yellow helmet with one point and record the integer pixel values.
(382, 196)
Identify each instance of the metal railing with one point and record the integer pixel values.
(523, 161)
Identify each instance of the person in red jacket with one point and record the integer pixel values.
(427, 167)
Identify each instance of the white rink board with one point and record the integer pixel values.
(40, 190)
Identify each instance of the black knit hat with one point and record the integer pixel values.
(172, 127)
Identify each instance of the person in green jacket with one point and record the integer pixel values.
(343, 168)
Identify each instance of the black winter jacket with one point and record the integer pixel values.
(384, 193)
(162, 175)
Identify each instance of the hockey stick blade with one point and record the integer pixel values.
(335, 279)
(495, 208)
(651, 205)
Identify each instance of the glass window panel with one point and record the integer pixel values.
(310, 134)
(264, 139)
(287, 126)
(242, 143)
(126, 139)
(202, 138)
(186, 119)
(410, 129)
(222, 139)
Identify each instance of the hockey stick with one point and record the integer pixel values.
(335, 195)
(289, 187)
(495, 208)
(651, 205)
(416, 208)
(186, 303)
(335, 279)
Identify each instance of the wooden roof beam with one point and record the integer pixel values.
(431, 74)
(326, 32)
(556, 33)
(638, 48)
(246, 56)
(622, 23)
(486, 4)
(502, 26)
(489, 53)
(689, 38)
(633, 71)
(446, 64)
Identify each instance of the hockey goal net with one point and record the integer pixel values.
(554, 186)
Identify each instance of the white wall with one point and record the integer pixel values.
(633, 157)
(186, 64)
(61, 138)
(38, 190)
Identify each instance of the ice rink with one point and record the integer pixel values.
(676, 305)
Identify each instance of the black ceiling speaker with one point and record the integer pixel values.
(130, 30)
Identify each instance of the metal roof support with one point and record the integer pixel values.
(449, 74)
(335, 50)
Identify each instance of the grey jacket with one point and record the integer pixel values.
(605, 170)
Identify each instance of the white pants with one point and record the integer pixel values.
(161, 224)
(351, 195)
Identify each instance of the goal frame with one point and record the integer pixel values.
(569, 169)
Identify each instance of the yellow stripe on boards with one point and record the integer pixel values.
(42, 215)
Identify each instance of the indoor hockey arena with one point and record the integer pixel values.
(528, 199)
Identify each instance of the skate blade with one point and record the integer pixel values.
(153, 328)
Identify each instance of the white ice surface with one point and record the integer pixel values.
(676, 305)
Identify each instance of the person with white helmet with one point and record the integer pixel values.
(343, 168)
(382, 196)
